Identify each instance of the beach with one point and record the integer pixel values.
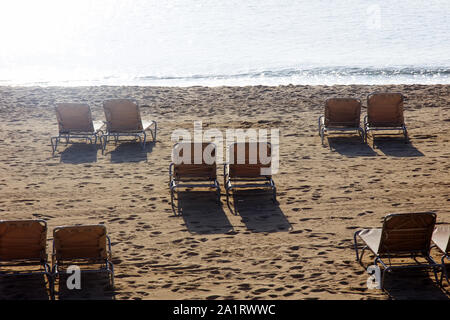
(301, 248)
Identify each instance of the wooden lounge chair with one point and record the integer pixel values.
(75, 121)
(385, 114)
(23, 244)
(123, 118)
(82, 246)
(342, 115)
(402, 235)
(246, 168)
(198, 172)
(441, 239)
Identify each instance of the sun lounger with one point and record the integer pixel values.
(75, 121)
(82, 246)
(385, 114)
(402, 235)
(197, 171)
(441, 238)
(23, 244)
(246, 168)
(342, 115)
(123, 118)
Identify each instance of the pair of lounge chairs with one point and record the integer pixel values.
(384, 114)
(246, 169)
(23, 243)
(406, 235)
(123, 118)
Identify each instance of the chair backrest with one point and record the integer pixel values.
(385, 109)
(247, 159)
(407, 233)
(23, 240)
(74, 117)
(342, 112)
(441, 236)
(80, 242)
(122, 115)
(199, 164)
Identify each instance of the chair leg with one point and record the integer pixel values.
(405, 134)
(356, 245)
(322, 135)
(444, 270)
(54, 141)
(172, 196)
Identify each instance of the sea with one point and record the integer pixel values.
(224, 42)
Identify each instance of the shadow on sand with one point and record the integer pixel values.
(259, 212)
(396, 148)
(24, 287)
(94, 286)
(351, 146)
(78, 153)
(131, 152)
(414, 285)
(201, 213)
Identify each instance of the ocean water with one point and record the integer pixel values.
(233, 42)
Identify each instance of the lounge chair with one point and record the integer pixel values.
(342, 115)
(23, 243)
(82, 245)
(75, 121)
(441, 239)
(199, 172)
(123, 118)
(385, 114)
(402, 235)
(246, 169)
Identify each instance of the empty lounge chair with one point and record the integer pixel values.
(23, 243)
(441, 238)
(385, 115)
(247, 169)
(75, 121)
(194, 170)
(402, 235)
(342, 115)
(123, 118)
(82, 246)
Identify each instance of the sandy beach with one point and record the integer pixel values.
(301, 248)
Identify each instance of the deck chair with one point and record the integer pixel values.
(75, 121)
(342, 115)
(246, 168)
(194, 170)
(23, 244)
(123, 118)
(385, 114)
(82, 246)
(441, 239)
(402, 235)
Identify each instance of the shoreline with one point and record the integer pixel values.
(299, 249)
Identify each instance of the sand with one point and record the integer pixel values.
(299, 249)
